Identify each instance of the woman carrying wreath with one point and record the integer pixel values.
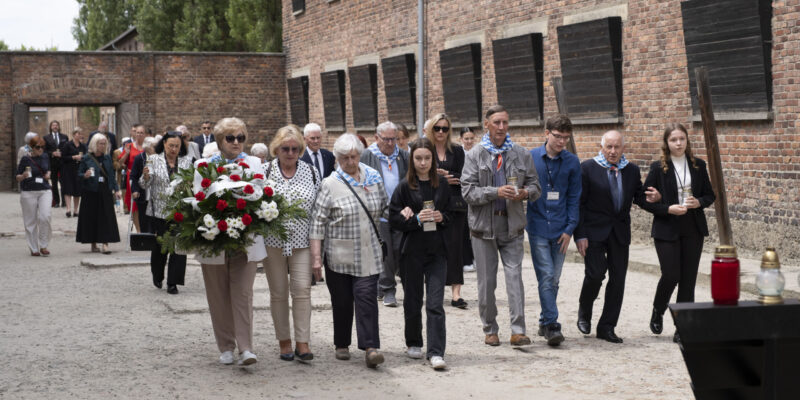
(295, 180)
(169, 157)
(97, 221)
(229, 277)
(352, 247)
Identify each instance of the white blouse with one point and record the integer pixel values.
(303, 186)
(683, 176)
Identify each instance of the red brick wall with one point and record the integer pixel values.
(170, 88)
(761, 159)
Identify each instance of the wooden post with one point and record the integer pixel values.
(561, 102)
(712, 151)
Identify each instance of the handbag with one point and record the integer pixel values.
(143, 242)
(384, 247)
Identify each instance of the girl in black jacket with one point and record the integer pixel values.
(420, 208)
(679, 224)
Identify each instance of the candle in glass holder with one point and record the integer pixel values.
(725, 276)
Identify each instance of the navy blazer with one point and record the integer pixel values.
(201, 142)
(597, 217)
(92, 183)
(328, 161)
(136, 173)
(666, 225)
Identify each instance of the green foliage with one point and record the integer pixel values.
(100, 21)
(91, 114)
(155, 22)
(203, 28)
(3, 46)
(256, 23)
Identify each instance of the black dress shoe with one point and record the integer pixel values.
(676, 338)
(656, 322)
(172, 289)
(584, 321)
(157, 283)
(553, 335)
(609, 336)
(304, 356)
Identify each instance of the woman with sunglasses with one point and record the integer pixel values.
(296, 181)
(450, 161)
(97, 222)
(420, 208)
(169, 157)
(229, 277)
(71, 154)
(33, 173)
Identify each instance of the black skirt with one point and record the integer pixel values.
(454, 235)
(70, 184)
(97, 222)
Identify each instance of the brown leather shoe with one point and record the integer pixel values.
(520, 340)
(44, 252)
(492, 340)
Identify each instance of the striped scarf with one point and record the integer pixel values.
(383, 157)
(600, 158)
(371, 176)
(218, 157)
(492, 149)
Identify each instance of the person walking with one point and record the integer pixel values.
(33, 173)
(97, 222)
(71, 156)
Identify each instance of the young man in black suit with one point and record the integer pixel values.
(52, 146)
(610, 184)
(315, 155)
(206, 135)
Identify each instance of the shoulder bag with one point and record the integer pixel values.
(384, 248)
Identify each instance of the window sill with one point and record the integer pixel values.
(738, 116)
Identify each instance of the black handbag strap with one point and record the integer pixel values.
(99, 164)
(374, 227)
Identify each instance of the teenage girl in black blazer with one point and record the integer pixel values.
(679, 224)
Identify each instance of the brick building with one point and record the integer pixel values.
(624, 65)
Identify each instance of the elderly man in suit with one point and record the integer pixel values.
(52, 146)
(321, 159)
(205, 137)
(392, 162)
(610, 184)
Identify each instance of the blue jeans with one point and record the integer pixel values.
(547, 262)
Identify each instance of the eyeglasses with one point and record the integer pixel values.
(287, 149)
(387, 139)
(38, 147)
(231, 138)
(560, 137)
(444, 129)
(205, 128)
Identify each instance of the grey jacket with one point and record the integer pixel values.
(477, 186)
(402, 162)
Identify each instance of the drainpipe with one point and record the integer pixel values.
(420, 67)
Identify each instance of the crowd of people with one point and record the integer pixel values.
(424, 209)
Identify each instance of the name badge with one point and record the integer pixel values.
(552, 196)
(39, 180)
(101, 179)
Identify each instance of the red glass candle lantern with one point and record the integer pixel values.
(725, 276)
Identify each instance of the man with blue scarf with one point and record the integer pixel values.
(497, 179)
(609, 185)
(392, 162)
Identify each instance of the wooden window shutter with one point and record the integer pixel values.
(591, 69)
(298, 100)
(333, 99)
(461, 83)
(733, 40)
(518, 74)
(364, 95)
(399, 87)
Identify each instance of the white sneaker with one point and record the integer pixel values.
(469, 268)
(437, 362)
(226, 358)
(247, 358)
(414, 352)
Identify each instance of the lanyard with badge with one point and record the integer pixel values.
(552, 194)
(685, 190)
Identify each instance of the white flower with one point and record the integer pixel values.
(208, 221)
(271, 214)
(209, 233)
(233, 233)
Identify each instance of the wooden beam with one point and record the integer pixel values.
(712, 151)
(561, 102)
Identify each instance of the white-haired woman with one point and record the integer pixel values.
(352, 247)
(71, 154)
(261, 151)
(192, 148)
(25, 149)
(97, 222)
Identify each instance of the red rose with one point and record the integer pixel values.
(236, 178)
(178, 217)
(241, 204)
(248, 189)
(220, 169)
(205, 183)
(243, 164)
(268, 191)
(202, 165)
(221, 204)
(222, 225)
(258, 176)
(200, 196)
(247, 219)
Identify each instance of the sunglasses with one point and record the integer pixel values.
(444, 129)
(231, 138)
(38, 147)
(205, 128)
(287, 149)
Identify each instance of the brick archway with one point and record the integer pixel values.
(153, 88)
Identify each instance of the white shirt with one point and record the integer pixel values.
(318, 157)
(682, 175)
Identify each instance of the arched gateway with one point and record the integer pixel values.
(155, 88)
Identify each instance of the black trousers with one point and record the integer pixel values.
(177, 263)
(348, 291)
(612, 256)
(54, 182)
(679, 260)
(424, 274)
(144, 219)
